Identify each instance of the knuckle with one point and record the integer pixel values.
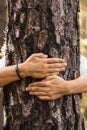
(43, 72)
(57, 65)
(44, 66)
(44, 61)
(49, 60)
(33, 55)
(46, 84)
(60, 65)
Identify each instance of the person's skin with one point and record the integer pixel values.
(36, 66)
(54, 87)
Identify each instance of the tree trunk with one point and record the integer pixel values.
(51, 27)
(2, 21)
(2, 28)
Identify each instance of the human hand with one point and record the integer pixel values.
(51, 88)
(39, 66)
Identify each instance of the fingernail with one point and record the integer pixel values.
(46, 55)
(26, 89)
(63, 69)
(30, 93)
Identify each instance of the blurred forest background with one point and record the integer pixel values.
(83, 39)
(83, 43)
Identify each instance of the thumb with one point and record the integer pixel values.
(50, 77)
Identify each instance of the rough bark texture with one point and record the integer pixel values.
(2, 28)
(51, 27)
(2, 20)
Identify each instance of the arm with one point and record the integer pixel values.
(8, 75)
(37, 66)
(78, 85)
(54, 87)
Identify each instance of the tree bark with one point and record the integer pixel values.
(2, 28)
(51, 27)
(2, 21)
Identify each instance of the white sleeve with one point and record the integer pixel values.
(2, 63)
(83, 65)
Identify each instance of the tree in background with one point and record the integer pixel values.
(2, 28)
(2, 20)
(51, 27)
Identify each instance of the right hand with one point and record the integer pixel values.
(39, 66)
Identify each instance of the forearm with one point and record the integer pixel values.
(78, 85)
(8, 75)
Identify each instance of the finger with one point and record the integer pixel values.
(50, 98)
(44, 98)
(40, 55)
(57, 65)
(38, 93)
(38, 84)
(37, 89)
(52, 74)
(40, 75)
(50, 77)
(57, 96)
(54, 60)
(55, 70)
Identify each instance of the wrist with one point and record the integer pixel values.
(25, 70)
(21, 70)
(66, 87)
(70, 87)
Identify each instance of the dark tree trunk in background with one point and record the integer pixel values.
(51, 27)
(2, 20)
(2, 28)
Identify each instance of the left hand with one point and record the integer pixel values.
(40, 66)
(51, 88)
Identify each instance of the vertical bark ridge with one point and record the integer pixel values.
(51, 27)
